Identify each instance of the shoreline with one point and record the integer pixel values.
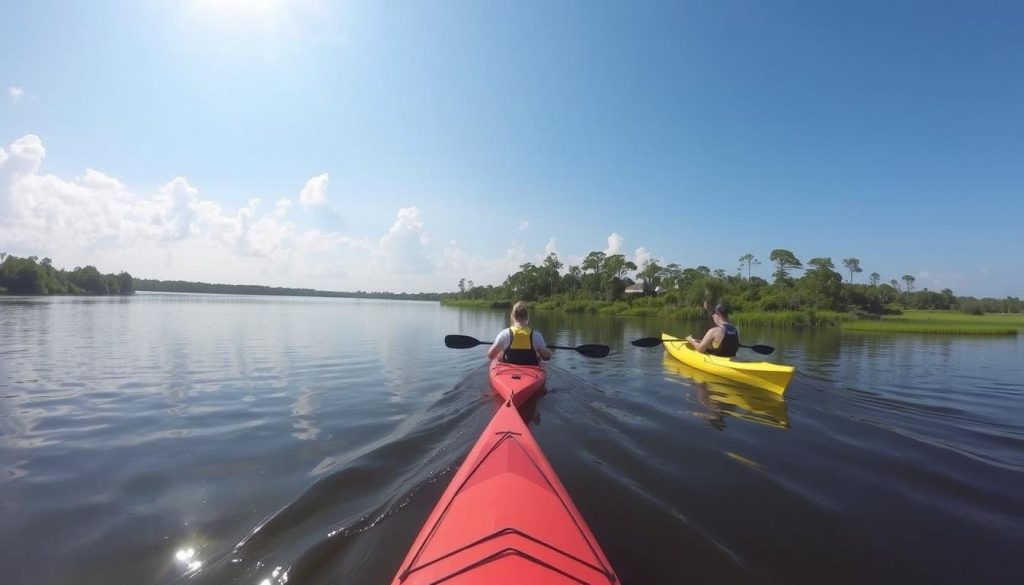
(929, 322)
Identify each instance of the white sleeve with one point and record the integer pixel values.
(538, 340)
(503, 340)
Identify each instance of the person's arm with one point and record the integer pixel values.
(499, 345)
(540, 346)
(706, 342)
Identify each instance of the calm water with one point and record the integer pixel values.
(231, 439)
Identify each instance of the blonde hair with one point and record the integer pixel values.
(520, 313)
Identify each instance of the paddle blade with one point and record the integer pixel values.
(593, 350)
(647, 342)
(461, 341)
(762, 349)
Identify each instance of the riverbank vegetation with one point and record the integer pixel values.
(32, 276)
(941, 322)
(610, 284)
(182, 286)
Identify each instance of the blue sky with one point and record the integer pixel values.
(440, 140)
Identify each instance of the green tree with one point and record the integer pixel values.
(615, 269)
(823, 285)
(551, 267)
(126, 283)
(821, 264)
(462, 285)
(785, 261)
(853, 265)
(672, 274)
(574, 277)
(594, 263)
(705, 292)
(650, 275)
(909, 281)
(874, 278)
(750, 261)
(90, 280)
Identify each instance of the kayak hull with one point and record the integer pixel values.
(517, 383)
(505, 518)
(765, 375)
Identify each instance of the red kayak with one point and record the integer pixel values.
(505, 519)
(517, 383)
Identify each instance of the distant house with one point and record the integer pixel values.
(635, 289)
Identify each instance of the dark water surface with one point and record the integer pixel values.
(260, 440)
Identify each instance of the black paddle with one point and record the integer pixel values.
(654, 341)
(592, 350)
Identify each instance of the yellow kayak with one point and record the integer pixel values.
(765, 375)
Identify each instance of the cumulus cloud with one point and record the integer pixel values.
(614, 244)
(281, 207)
(640, 256)
(404, 249)
(86, 217)
(178, 232)
(315, 192)
(523, 225)
(15, 93)
(550, 248)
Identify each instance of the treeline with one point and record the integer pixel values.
(181, 286)
(602, 278)
(31, 276)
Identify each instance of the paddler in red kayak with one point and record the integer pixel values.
(519, 344)
(722, 340)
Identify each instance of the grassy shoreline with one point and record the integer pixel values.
(942, 323)
(909, 321)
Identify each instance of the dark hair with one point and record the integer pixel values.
(722, 310)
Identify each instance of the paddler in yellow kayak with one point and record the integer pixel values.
(519, 344)
(722, 340)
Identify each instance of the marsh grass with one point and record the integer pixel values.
(942, 323)
(477, 303)
(910, 321)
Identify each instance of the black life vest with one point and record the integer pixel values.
(730, 343)
(520, 349)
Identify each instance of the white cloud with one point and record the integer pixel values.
(614, 244)
(640, 256)
(178, 232)
(523, 225)
(95, 216)
(282, 206)
(315, 191)
(404, 249)
(551, 248)
(15, 93)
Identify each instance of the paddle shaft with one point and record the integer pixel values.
(465, 342)
(654, 341)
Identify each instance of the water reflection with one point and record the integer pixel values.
(721, 398)
(187, 557)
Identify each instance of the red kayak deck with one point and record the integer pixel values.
(517, 383)
(505, 518)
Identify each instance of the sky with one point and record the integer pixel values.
(401, 146)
